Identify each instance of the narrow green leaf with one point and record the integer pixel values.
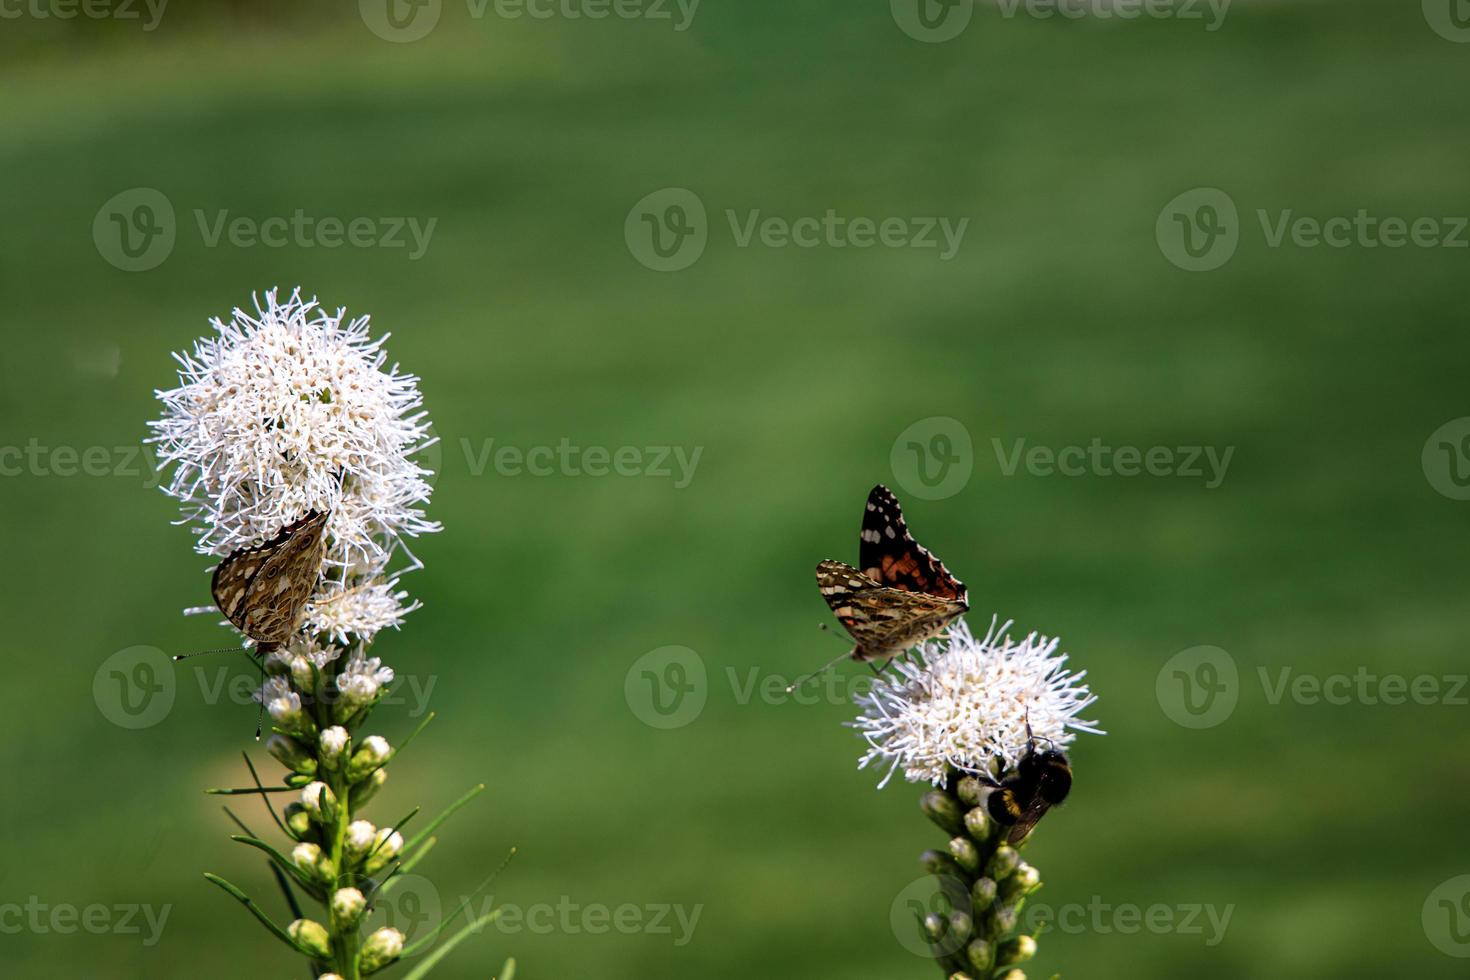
(464, 906)
(250, 790)
(422, 969)
(255, 778)
(411, 736)
(434, 824)
(279, 858)
(508, 971)
(255, 910)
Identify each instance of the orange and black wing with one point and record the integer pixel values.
(891, 557)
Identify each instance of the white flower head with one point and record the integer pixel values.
(362, 678)
(362, 610)
(966, 702)
(283, 704)
(291, 410)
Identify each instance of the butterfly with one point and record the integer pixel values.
(901, 597)
(263, 591)
(1042, 780)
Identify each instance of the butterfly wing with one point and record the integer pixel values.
(890, 556)
(883, 621)
(263, 590)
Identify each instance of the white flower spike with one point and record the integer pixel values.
(291, 410)
(965, 702)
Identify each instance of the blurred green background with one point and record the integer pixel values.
(1323, 828)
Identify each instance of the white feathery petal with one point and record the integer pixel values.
(964, 703)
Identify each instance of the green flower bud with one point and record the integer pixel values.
(298, 821)
(970, 791)
(1021, 883)
(1011, 975)
(977, 823)
(313, 863)
(311, 936)
(983, 893)
(361, 836)
(943, 810)
(939, 863)
(347, 906)
(333, 743)
(965, 854)
(961, 927)
(303, 674)
(981, 956)
(291, 754)
(1003, 921)
(934, 926)
(386, 847)
(381, 948)
(369, 758)
(368, 788)
(1002, 862)
(1016, 950)
(297, 780)
(320, 802)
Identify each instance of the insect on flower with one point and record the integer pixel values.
(903, 595)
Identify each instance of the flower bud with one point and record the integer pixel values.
(977, 823)
(970, 790)
(297, 780)
(312, 937)
(1002, 862)
(303, 674)
(313, 863)
(278, 662)
(369, 758)
(369, 787)
(319, 801)
(291, 754)
(361, 836)
(386, 847)
(298, 821)
(330, 976)
(961, 928)
(1011, 975)
(347, 906)
(980, 954)
(381, 948)
(1018, 949)
(943, 810)
(1022, 882)
(965, 854)
(333, 742)
(938, 863)
(982, 893)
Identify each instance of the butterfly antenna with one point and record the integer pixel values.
(259, 717)
(200, 653)
(818, 672)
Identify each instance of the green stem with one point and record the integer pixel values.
(346, 939)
